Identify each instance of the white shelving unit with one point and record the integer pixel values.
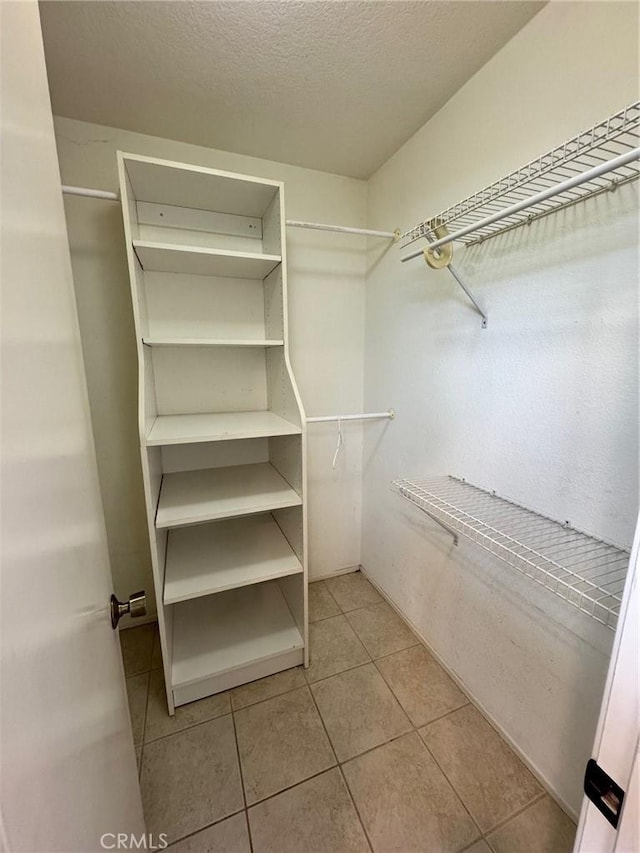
(222, 428)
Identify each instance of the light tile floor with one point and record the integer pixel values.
(373, 748)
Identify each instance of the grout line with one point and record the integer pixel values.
(516, 813)
(453, 788)
(291, 787)
(315, 705)
(202, 828)
(244, 795)
(355, 806)
(418, 726)
(340, 672)
(188, 728)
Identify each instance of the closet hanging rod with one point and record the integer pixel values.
(576, 180)
(390, 415)
(105, 195)
(343, 229)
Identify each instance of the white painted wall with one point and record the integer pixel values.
(542, 406)
(326, 298)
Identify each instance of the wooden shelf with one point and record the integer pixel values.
(212, 558)
(194, 260)
(209, 342)
(223, 640)
(183, 185)
(193, 497)
(223, 426)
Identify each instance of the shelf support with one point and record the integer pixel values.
(469, 295)
(433, 517)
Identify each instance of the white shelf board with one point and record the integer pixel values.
(219, 634)
(210, 342)
(184, 185)
(195, 260)
(222, 426)
(193, 497)
(212, 558)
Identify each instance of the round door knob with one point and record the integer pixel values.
(135, 606)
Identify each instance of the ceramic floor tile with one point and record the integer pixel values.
(321, 602)
(405, 802)
(543, 827)
(265, 688)
(137, 688)
(228, 836)
(333, 647)
(281, 742)
(422, 687)
(136, 645)
(487, 775)
(352, 591)
(191, 779)
(381, 630)
(316, 816)
(359, 711)
(159, 723)
(138, 756)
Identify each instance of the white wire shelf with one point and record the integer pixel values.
(586, 572)
(609, 139)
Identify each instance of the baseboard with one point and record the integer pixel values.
(335, 574)
(478, 704)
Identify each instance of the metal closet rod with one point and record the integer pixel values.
(390, 415)
(589, 175)
(105, 195)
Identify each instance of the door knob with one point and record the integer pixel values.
(135, 606)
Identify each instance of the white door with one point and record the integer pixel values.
(68, 770)
(616, 743)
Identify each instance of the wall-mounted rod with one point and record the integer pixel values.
(550, 192)
(390, 415)
(342, 229)
(291, 223)
(87, 193)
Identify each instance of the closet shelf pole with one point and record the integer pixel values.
(86, 192)
(89, 193)
(343, 229)
(575, 181)
(390, 415)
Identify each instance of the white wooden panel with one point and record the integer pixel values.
(209, 342)
(166, 182)
(273, 233)
(203, 379)
(211, 558)
(192, 497)
(157, 234)
(273, 304)
(199, 260)
(213, 454)
(222, 426)
(194, 306)
(192, 219)
(222, 634)
(234, 677)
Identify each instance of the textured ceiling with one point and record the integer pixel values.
(336, 85)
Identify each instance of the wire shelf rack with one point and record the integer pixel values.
(617, 135)
(586, 572)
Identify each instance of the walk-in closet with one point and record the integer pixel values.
(321, 385)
